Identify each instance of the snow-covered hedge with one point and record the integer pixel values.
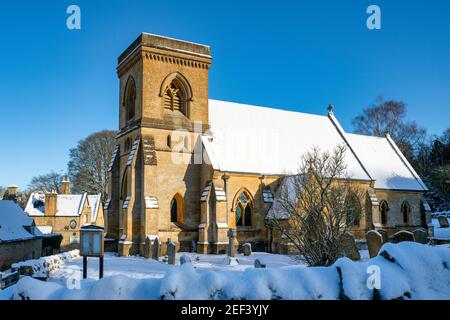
(44, 266)
(408, 271)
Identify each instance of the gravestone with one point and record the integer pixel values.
(171, 250)
(403, 236)
(443, 221)
(374, 242)
(349, 247)
(258, 264)
(247, 249)
(155, 252)
(147, 248)
(420, 235)
(185, 259)
(385, 235)
(193, 246)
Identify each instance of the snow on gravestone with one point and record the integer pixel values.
(171, 250)
(443, 221)
(155, 252)
(247, 249)
(374, 242)
(185, 259)
(420, 235)
(349, 247)
(403, 236)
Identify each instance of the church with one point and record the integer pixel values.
(188, 168)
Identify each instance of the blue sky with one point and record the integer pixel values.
(57, 86)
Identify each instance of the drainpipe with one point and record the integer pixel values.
(225, 189)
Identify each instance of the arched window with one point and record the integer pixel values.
(127, 145)
(169, 141)
(177, 209)
(243, 209)
(353, 206)
(384, 208)
(129, 100)
(124, 188)
(174, 98)
(173, 210)
(406, 209)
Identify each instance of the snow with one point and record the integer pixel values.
(384, 164)
(94, 201)
(407, 270)
(440, 233)
(12, 222)
(67, 205)
(268, 141)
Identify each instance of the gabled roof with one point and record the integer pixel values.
(261, 140)
(385, 163)
(67, 205)
(13, 221)
(250, 139)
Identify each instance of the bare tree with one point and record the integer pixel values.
(89, 160)
(389, 117)
(46, 182)
(316, 206)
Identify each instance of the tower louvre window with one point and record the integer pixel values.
(173, 98)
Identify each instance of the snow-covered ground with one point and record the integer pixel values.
(406, 270)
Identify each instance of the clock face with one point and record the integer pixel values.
(73, 224)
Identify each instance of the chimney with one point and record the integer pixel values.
(65, 185)
(50, 203)
(12, 192)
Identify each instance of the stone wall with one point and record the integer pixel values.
(11, 252)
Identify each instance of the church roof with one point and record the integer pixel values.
(261, 140)
(67, 205)
(385, 163)
(266, 141)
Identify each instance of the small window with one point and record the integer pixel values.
(86, 221)
(173, 210)
(384, 208)
(353, 207)
(127, 145)
(169, 141)
(406, 209)
(130, 99)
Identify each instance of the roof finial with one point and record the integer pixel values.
(330, 108)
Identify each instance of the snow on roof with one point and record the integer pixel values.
(45, 229)
(94, 202)
(268, 141)
(12, 222)
(385, 163)
(67, 205)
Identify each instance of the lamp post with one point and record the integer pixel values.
(92, 245)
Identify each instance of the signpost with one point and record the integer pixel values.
(92, 245)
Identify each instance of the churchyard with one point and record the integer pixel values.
(403, 266)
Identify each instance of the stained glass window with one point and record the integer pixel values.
(243, 209)
(239, 215)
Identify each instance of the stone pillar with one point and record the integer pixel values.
(231, 236)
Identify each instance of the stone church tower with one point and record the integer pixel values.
(163, 110)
